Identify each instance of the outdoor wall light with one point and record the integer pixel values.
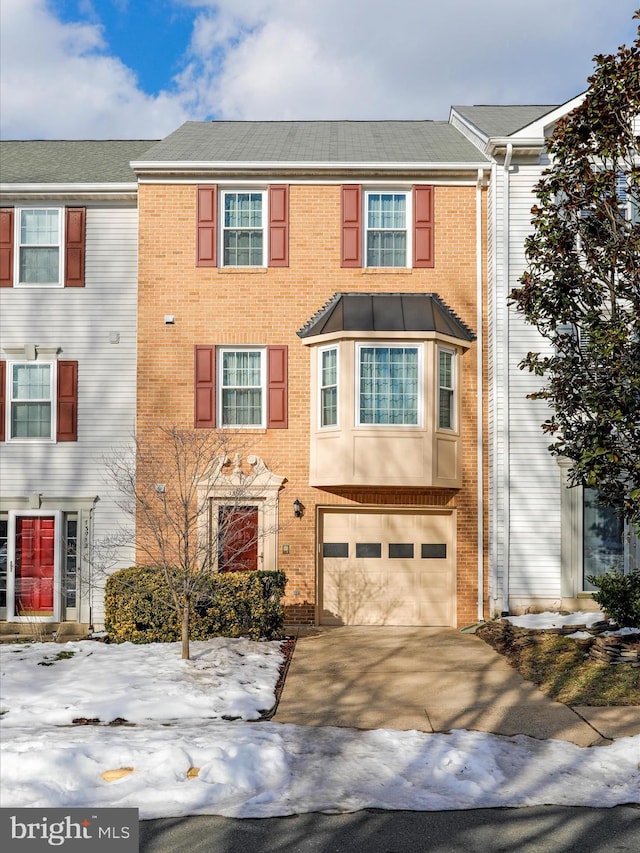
(298, 508)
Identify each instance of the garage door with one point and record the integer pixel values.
(387, 568)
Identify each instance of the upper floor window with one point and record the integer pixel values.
(242, 384)
(31, 392)
(446, 388)
(39, 400)
(329, 387)
(39, 239)
(388, 383)
(243, 228)
(386, 229)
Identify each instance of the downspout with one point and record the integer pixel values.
(506, 449)
(480, 392)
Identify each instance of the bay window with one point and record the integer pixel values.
(329, 387)
(445, 389)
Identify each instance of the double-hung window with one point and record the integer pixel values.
(31, 396)
(446, 389)
(242, 380)
(386, 229)
(389, 378)
(39, 240)
(329, 387)
(243, 228)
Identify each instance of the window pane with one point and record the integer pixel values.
(243, 210)
(3, 561)
(445, 380)
(31, 420)
(242, 388)
(31, 382)
(39, 266)
(71, 563)
(39, 227)
(603, 538)
(243, 248)
(329, 388)
(386, 229)
(389, 385)
(369, 549)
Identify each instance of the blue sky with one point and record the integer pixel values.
(139, 68)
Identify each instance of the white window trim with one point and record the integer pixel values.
(265, 241)
(11, 573)
(454, 389)
(263, 386)
(408, 224)
(53, 378)
(18, 245)
(321, 351)
(417, 345)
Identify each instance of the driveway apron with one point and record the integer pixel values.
(427, 679)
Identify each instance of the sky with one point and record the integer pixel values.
(97, 69)
(181, 755)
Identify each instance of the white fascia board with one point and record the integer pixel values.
(263, 166)
(482, 136)
(68, 189)
(520, 144)
(538, 126)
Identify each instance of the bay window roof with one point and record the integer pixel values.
(386, 312)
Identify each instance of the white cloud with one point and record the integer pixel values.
(303, 59)
(59, 81)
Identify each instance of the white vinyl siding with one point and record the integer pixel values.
(82, 322)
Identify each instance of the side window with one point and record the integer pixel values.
(39, 401)
(31, 396)
(241, 383)
(243, 225)
(39, 232)
(328, 368)
(240, 387)
(386, 229)
(388, 385)
(446, 389)
(242, 228)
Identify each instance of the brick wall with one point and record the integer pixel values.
(267, 307)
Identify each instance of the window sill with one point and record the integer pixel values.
(245, 430)
(241, 270)
(387, 271)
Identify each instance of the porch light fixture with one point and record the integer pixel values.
(298, 508)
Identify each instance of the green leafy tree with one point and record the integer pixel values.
(582, 285)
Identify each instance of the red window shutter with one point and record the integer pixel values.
(67, 403)
(74, 249)
(206, 255)
(279, 226)
(6, 247)
(423, 247)
(351, 242)
(3, 391)
(277, 390)
(205, 387)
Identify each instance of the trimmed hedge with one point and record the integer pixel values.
(138, 606)
(619, 596)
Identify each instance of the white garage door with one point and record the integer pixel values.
(387, 568)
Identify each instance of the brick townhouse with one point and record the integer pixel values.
(319, 289)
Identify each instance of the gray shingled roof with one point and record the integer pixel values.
(503, 120)
(62, 161)
(315, 142)
(386, 312)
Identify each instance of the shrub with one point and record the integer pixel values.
(619, 597)
(139, 608)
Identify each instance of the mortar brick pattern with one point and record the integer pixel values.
(268, 306)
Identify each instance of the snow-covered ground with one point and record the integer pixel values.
(182, 755)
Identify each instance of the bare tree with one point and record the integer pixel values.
(194, 509)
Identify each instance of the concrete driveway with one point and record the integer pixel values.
(428, 679)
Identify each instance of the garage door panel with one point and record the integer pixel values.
(374, 588)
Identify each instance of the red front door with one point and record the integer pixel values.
(238, 538)
(35, 552)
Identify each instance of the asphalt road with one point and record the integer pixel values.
(541, 829)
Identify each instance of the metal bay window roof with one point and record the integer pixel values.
(386, 312)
